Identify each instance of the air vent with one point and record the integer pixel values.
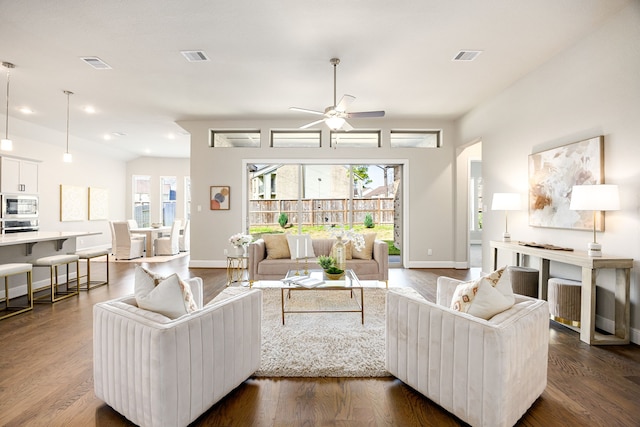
(195, 55)
(467, 55)
(96, 63)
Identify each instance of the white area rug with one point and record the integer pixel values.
(323, 344)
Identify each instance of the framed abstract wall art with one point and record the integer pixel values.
(552, 175)
(219, 197)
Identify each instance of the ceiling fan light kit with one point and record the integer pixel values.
(335, 115)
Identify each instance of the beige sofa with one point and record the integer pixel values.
(486, 372)
(261, 268)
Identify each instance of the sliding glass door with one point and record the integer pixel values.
(315, 198)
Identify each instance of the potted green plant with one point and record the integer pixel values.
(328, 264)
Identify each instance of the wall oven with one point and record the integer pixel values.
(19, 212)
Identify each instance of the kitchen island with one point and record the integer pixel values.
(31, 238)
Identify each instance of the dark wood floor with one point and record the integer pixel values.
(46, 374)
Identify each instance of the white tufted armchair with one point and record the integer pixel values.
(486, 372)
(162, 372)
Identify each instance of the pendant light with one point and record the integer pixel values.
(6, 144)
(67, 158)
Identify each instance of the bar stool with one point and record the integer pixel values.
(88, 255)
(53, 262)
(13, 269)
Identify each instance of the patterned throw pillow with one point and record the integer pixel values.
(277, 246)
(486, 296)
(367, 251)
(169, 296)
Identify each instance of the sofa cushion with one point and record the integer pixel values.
(277, 246)
(168, 296)
(300, 246)
(367, 251)
(486, 296)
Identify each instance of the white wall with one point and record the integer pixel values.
(92, 166)
(590, 89)
(429, 180)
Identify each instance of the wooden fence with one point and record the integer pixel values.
(321, 211)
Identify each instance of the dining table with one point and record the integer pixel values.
(151, 233)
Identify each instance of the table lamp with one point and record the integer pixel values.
(596, 197)
(506, 202)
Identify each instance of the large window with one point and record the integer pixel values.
(142, 200)
(168, 186)
(317, 198)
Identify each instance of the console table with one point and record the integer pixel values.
(590, 267)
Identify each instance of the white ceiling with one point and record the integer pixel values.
(267, 56)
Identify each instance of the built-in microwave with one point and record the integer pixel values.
(19, 206)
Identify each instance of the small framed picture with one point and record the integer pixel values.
(220, 197)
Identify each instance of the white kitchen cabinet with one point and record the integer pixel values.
(18, 175)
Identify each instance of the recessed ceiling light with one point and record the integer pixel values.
(106, 137)
(96, 62)
(89, 109)
(25, 110)
(195, 55)
(171, 136)
(466, 55)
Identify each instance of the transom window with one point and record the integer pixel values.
(416, 139)
(295, 139)
(234, 138)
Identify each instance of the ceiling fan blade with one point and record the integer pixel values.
(344, 103)
(305, 110)
(308, 125)
(366, 114)
(346, 127)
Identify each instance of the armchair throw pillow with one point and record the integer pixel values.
(486, 296)
(169, 296)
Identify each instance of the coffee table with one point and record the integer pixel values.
(349, 283)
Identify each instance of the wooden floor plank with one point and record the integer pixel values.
(46, 373)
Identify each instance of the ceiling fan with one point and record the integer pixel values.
(335, 115)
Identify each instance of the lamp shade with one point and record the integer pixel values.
(596, 197)
(506, 202)
(335, 122)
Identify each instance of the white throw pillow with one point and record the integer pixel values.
(300, 246)
(486, 296)
(168, 296)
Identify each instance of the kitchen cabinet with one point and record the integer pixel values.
(18, 175)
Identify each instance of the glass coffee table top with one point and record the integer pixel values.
(313, 279)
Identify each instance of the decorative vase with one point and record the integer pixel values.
(340, 254)
(239, 250)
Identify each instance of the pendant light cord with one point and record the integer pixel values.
(6, 123)
(68, 93)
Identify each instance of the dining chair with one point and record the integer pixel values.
(125, 245)
(169, 245)
(184, 242)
